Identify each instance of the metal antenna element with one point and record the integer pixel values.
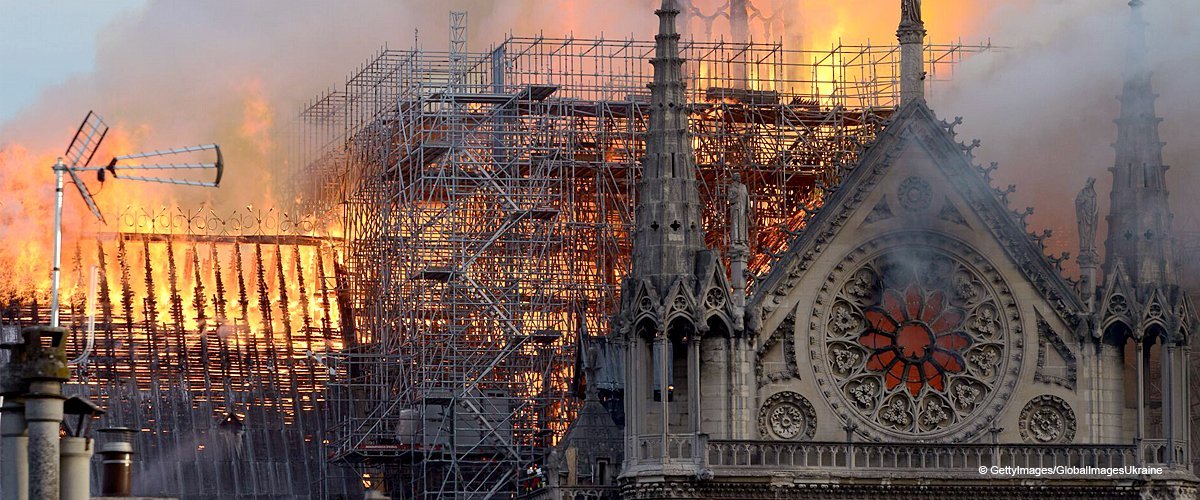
(79, 153)
(79, 156)
(118, 171)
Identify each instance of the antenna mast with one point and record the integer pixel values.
(79, 155)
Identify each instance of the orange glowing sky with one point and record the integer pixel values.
(236, 73)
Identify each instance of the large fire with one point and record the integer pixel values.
(214, 286)
(177, 288)
(26, 180)
(27, 183)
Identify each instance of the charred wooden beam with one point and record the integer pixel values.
(264, 239)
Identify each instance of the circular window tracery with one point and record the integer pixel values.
(1047, 419)
(787, 416)
(920, 338)
(914, 194)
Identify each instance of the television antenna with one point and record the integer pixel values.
(79, 156)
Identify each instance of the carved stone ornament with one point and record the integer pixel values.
(914, 194)
(920, 338)
(1086, 214)
(787, 416)
(785, 337)
(1047, 340)
(1047, 420)
(1118, 305)
(881, 212)
(714, 299)
(950, 214)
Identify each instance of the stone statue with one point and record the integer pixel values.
(739, 206)
(592, 367)
(1086, 214)
(910, 12)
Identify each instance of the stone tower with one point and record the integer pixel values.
(676, 314)
(1142, 316)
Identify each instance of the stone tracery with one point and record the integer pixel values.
(787, 416)
(1047, 419)
(919, 339)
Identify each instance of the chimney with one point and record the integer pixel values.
(116, 452)
(13, 439)
(45, 370)
(76, 448)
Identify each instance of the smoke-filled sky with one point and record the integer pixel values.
(177, 73)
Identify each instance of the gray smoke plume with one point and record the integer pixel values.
(1044, 107)
(236, 73)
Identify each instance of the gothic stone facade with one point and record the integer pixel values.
(914, 341)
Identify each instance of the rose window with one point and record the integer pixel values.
(913, 339)
(918, 338)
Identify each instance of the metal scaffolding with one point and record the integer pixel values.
(486, 200)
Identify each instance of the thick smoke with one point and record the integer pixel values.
(236, 73)
(1044, 106)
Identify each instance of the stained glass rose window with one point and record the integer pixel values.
(919, 339)
(913, 338)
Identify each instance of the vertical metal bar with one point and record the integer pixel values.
(59, 170)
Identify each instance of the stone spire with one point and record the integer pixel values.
(669, 227)
(911, 34)
(678, 290)
(1139, 220)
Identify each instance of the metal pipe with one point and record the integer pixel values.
(59, 169)
(91, 319)
(75, 466)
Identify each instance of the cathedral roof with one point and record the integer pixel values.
(915, 122)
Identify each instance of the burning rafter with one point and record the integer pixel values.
(178, 348)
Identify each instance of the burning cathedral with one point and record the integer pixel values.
(559, 272)
(912, 341)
